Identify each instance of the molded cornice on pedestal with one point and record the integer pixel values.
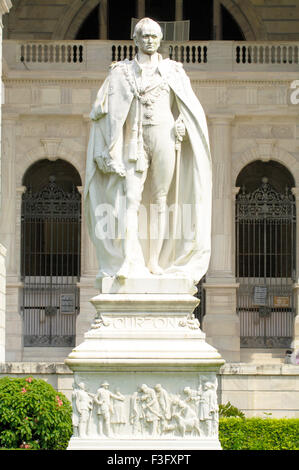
(147, 331)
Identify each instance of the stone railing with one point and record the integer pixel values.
(51, 52)
(251, 53)
(97, 55)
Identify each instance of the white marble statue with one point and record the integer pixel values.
(105, 409)
(148, 173)
(208, 408)
(83, 407)
(151, 409)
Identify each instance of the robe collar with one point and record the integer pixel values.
(161, 65)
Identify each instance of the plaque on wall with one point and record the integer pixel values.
(67, 304)
(280, 301)
(260, 295)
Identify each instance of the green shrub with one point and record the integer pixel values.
(228, 410)
(33, 415)
(259, 434)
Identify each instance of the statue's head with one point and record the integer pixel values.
(104, 385)
(147, 36)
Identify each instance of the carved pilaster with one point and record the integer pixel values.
(8, 212)
(221, 323)
(295, 342)
(295, 191)
(221, 264)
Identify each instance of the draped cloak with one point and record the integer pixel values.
(188, 254)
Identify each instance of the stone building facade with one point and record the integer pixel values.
(247, 85)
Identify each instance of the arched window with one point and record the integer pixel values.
(50, 253)
(209, 19)
(265, 254)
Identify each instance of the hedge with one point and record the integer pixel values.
(259, 434)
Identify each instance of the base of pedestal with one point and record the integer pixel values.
(144, 444)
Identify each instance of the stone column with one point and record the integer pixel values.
(179, 10)
(5, 6)
(9, 227)
(217, 21)
(103, 20)
(221, 323)
(140, 5)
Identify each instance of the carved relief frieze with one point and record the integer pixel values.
(148, 411)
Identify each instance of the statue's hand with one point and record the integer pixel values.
(180, 129)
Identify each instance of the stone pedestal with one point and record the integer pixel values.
(144, 376)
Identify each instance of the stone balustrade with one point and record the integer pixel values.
(96, 55)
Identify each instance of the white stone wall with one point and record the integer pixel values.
(266, 390)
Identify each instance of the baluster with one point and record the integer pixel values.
(205, 49)
(278, 54)
(187, 54)
(69, 53)
(290, 55)
(62, 53)
(176, 53)
(254, 54)
(46, 53)
(273, 55)
(284, 55)
(244, 55)
(193, 50)
(249, 54)
(113, 53)
(22, 53)
(296, 54)
(57, 53)
(51, 54)
(182, 54)
(80, 53)
(28, 53)
(238, 54)
(267, 55)
(261, 51)
(39, 53)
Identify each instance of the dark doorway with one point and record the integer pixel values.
(50, 253)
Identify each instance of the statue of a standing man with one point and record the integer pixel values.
(149, 148)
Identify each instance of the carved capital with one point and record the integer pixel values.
(221, 119)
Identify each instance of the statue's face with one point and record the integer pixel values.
(148, 40)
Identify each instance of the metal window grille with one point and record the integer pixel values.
(50, 265)
(265, 266)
